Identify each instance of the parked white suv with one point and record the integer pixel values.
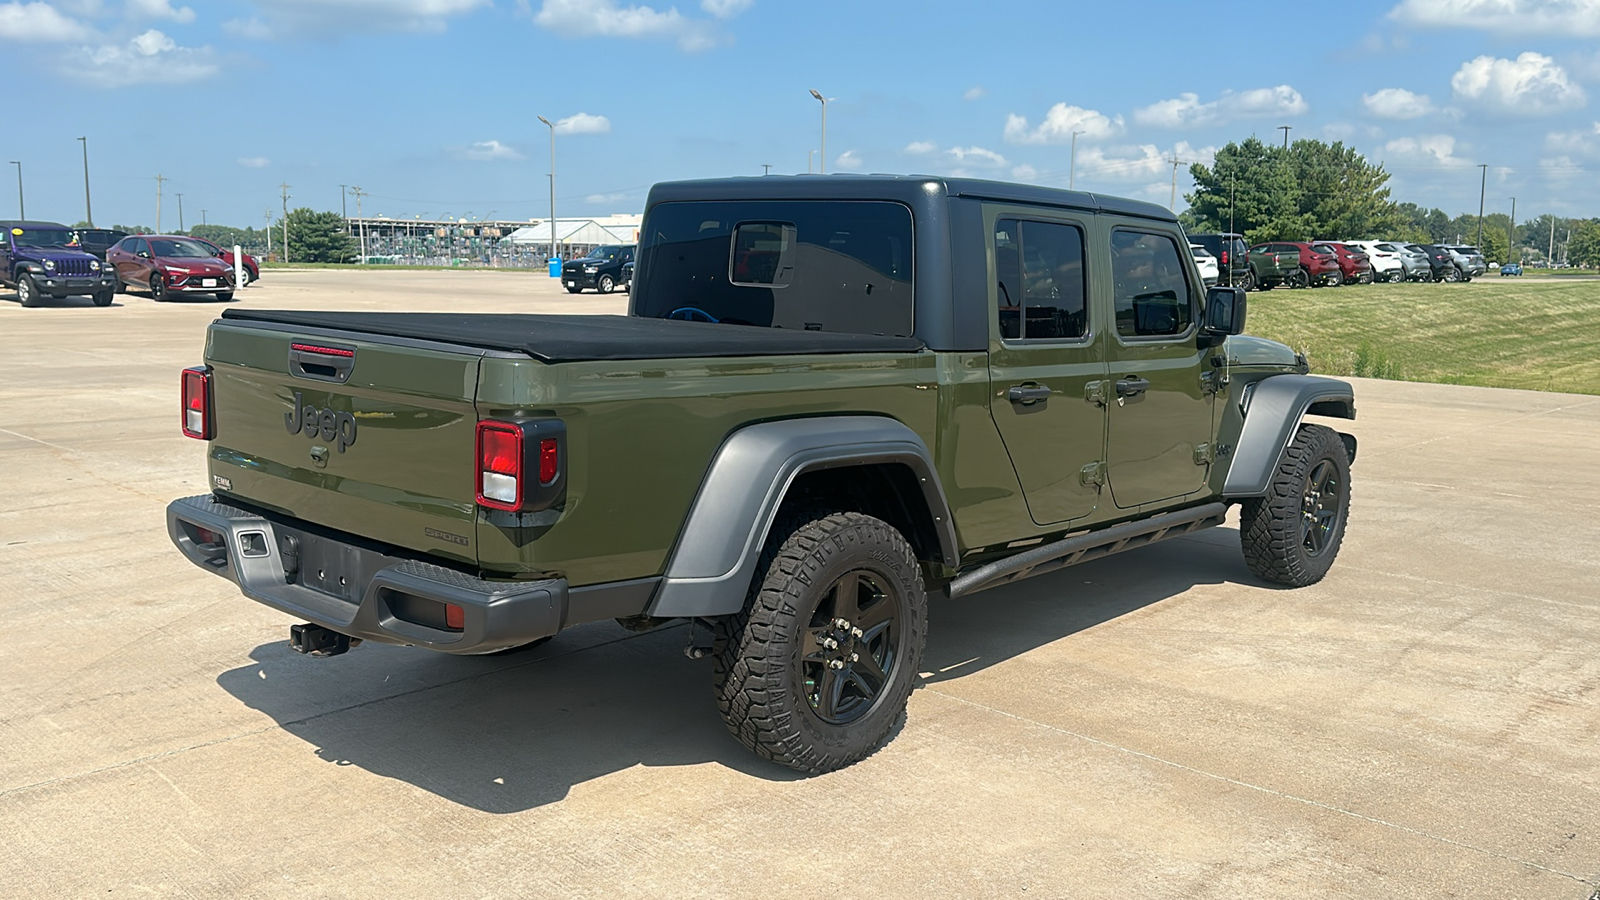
(1206, 262)
(1387, 262)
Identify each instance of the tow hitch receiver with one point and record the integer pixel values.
(318, 641)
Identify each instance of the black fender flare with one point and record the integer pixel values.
(719, 546)
(1274, 409)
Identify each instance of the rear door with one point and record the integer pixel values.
(1047, 364)
(368, 436)
(1159, 430)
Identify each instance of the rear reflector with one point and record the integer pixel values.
(454, 616)
(549, 460)
(196, 410)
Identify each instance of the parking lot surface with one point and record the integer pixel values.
(1423, 723)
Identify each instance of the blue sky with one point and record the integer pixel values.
(430, 105)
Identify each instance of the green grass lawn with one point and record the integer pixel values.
(1537, 334)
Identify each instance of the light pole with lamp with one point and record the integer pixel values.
(553, 272)
(822, 166)
(22, 209)
(1072, 174)
(88, 210)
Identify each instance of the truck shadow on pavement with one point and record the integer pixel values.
(509, 733)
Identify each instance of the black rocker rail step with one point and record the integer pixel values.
(1084, 547)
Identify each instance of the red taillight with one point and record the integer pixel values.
(549, 461)
(196, 411)
(500, 465)
(1224, 257)
(454, 616)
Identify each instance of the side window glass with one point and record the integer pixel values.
(1039, 267)
(1152, 291)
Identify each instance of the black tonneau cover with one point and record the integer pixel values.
(556, 339)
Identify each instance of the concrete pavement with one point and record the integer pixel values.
(1423, 723)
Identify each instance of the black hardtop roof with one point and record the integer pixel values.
(908, 189)
(31, 223)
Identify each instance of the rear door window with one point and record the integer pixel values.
(817, 265)
(1040, 276)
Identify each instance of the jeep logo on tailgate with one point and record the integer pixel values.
(326, 423)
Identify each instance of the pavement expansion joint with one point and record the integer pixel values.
(1266, 790)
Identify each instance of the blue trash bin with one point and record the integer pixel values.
(555, 268)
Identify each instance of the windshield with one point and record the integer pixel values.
(181, 247)
(606, 253)
(45, 238)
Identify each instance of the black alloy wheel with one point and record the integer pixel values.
(851, 647)
(1322, 508)
(1299, 278)
(1292, 534)
(158, 287)
(1248, 282)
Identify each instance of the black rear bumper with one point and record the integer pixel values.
(361, 592)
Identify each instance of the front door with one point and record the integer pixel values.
(1159, 433)
(1046, 360)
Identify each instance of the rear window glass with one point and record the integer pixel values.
(817, 265)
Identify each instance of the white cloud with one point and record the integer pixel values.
(725, 9)
(976, 156)
(1425, 149)
(1557, 18)
(604, 18)
(1140, 162)
(605, 198)
(849, 161)
(254, 162)
(1583, 141)
(1024, 172)
(1397, 103)
(1530, 85)
(38, 22)
(1059, 124)
(583, 123)
(976, 92)
(160, 9)
(149, 58)
(483, 151)
(251, 28)
(1186, 110)
(919, 148)
(323, 18)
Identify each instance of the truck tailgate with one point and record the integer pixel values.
(313, 435)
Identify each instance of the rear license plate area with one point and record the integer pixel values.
(327, 566)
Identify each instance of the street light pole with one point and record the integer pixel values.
(1072, 172)
(1511, 234)
(552, 126)
(180, 212)
(823, 163)
(1482, 186)
(88, 210)
(22, 208)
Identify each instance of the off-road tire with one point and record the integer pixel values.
(27, 291)
(104, 298)
(605, 284)
(1273, 530)
(761, 656)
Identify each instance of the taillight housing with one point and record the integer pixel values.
(521, 465)
(196, 415)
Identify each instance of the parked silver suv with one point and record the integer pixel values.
(1468, 259)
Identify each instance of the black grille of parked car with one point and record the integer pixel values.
(72, 267)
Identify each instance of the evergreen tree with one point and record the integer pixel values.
(319, 237)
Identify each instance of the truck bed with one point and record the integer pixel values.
(556, 339)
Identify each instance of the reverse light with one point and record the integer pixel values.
(521, 465)
(196, 410)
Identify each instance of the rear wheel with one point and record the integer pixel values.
(27, 291)
(244, 277)
(1299, 278)
(816, 671)
(1335, 278)
(1451, 275)
(1248, 282)
(1292, 535)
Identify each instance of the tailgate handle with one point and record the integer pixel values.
(321, 362)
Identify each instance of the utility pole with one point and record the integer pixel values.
(766, 168)
(1482, 186)
(202, 217)
(22, 208)
(285, 189)
(360, 222)
(1285, 130)
(1173, 203)
(344, 211)
(268, 217)
(553, 248)
(809, 154)
(88, 210)
(1511, 235)
(1072, 170)
(1550, 255)
(180, 213)
(159, 180)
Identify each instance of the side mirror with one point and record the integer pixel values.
(144, 254)
(1225, 311)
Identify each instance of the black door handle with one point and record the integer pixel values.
(1028, 393)
(1132, 387)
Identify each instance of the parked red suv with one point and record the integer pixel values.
(1321, 267)
(1355, 266)
(251, 271)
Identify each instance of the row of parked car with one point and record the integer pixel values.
(1228, 260)
(48, 259)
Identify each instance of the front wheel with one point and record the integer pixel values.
(27, 291)
(158, 287)
(574, 289)
(104, 298)
(1292, 535)
(605, 284)
(225, 296)
(816, 671)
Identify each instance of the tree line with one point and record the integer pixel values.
(1313, 190)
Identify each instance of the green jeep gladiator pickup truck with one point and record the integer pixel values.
(832, 398)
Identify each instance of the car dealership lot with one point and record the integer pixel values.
(1424, 723)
